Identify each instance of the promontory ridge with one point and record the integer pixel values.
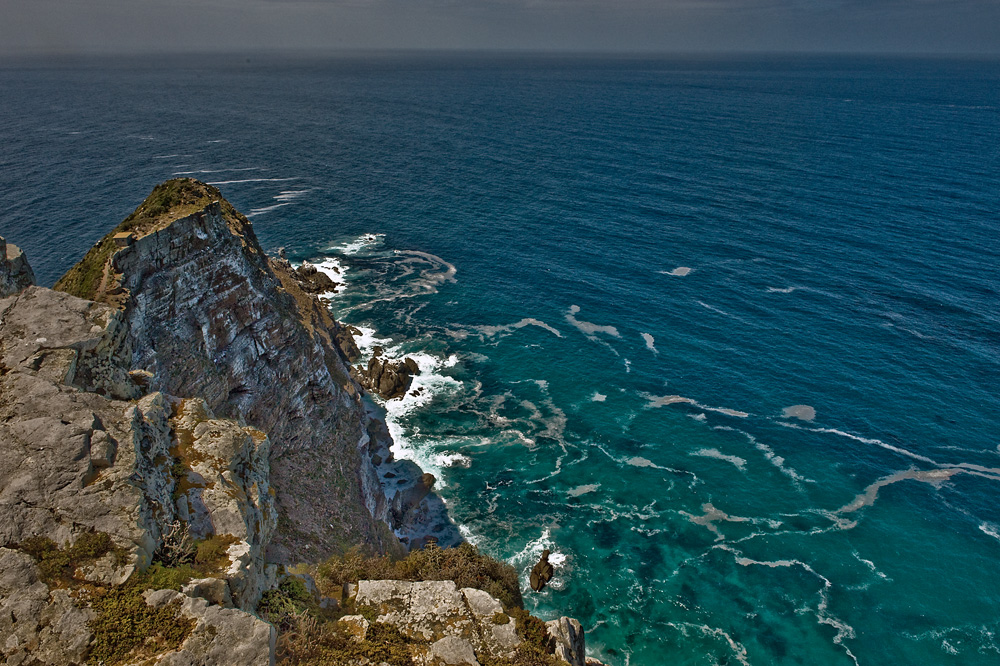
(192, 472)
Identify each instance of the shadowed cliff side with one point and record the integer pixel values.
(207, 315)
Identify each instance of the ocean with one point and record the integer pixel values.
(723, 334)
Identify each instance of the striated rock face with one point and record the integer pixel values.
(209, 315)
(15, 273)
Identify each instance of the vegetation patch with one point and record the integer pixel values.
(310, 642)
(58, 566)
(465, 565)
(126, 628)
(167, 202)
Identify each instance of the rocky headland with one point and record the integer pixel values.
(187, 455)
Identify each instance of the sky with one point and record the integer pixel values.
(666, 26)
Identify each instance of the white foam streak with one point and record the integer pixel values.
(188, 173)
(491, 331)
(252, 180)
(662, 401)
(588, 328)
(864, 440)
(737, 648)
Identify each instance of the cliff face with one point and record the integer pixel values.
(209, 315)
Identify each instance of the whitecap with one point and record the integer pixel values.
(368, 339)
(356, 245)
(649, 342)
(252, 180)
(801, 412)
(598, 397)
(991, 530)
(781, 290)
(532, 552)
(447, 459)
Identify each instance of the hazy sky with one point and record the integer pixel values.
(916, 26)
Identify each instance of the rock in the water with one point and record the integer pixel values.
(314, 281)
(389, 379)
(15, 273)
(541, 573)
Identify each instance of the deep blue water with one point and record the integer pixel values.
(839, 222)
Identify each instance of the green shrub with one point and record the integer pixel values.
(295, 589)
(162, 577)
(465, 565)
(212, 551)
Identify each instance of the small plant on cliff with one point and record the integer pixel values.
(465, 565)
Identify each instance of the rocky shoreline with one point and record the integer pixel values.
(188, 404)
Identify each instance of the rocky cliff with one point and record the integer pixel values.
(178, 419)
(208, 314)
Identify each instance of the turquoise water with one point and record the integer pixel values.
(724, 335)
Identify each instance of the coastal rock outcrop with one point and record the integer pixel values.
(15, 273)
(313, 280)
(448, 625)
(542, 572)
(389, 379)
(177, 420)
